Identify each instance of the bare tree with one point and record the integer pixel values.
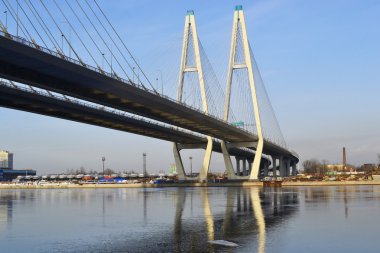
(311, 166)
(81, 170)
(92, 172)
(108, 171)
(70, 171)
(324, 166)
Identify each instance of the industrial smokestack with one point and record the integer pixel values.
(344, 159)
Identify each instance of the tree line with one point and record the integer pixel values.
(84, 171)
(314, 166)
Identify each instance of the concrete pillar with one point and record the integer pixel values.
(245, 172)
(294, 169)
(266, 169)
(227, 161)
(281, 162)
(249, 167)
(178, 162)
(237, 166)
(288, 167)
(274, 159)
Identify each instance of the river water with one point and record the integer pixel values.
(299, 219)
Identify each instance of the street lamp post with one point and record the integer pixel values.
(111, 61)
(133, 75)
(103, 160)
(69, 42)
(103, 61)
(6, 19)
(162, 82)
(17, 19)
(62, 36)
(191, 166)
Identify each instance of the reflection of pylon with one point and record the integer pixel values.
(239, 26)
(191, 35)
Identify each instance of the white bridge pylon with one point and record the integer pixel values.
(239, 26)
(191, 36)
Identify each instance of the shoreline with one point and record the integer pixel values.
(224, 184)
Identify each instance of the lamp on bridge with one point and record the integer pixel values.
(191, 166)
(6, 19)
(102, 61)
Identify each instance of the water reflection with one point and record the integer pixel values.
(260, 219)
(186, 219)
(5, 211)
(245, 215)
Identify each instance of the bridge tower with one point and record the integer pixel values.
(192, 65)
(239, 31)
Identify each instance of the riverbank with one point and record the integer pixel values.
(224, 184)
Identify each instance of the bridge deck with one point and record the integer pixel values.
(21, 62)
(25, 64)
(16, 98)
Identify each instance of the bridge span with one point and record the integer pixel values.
(28, 100)
(28, 63)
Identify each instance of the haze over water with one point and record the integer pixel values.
(300, 219)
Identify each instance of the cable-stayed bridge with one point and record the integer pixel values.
(51, 82)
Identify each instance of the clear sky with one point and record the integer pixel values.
(320, 61)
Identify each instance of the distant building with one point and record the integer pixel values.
(6, 160)
(335, 167)
(172, 169)
(368, 167)
(7, 173)
(340, 168)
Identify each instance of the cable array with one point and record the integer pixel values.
(76, 27)
(241, 98)
(191, 83)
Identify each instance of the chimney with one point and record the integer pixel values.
(344, 159)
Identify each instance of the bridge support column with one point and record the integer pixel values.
(178, 163)
(245, 172)
(266, 171)
(256, 162)
(294, 169)
(274, 169)
(240, 28)
(227, 161)
(282, 167)
(206, 161)
(287, 167)
(191, 34)
(237, 166)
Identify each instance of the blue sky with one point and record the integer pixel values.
(319, 60)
